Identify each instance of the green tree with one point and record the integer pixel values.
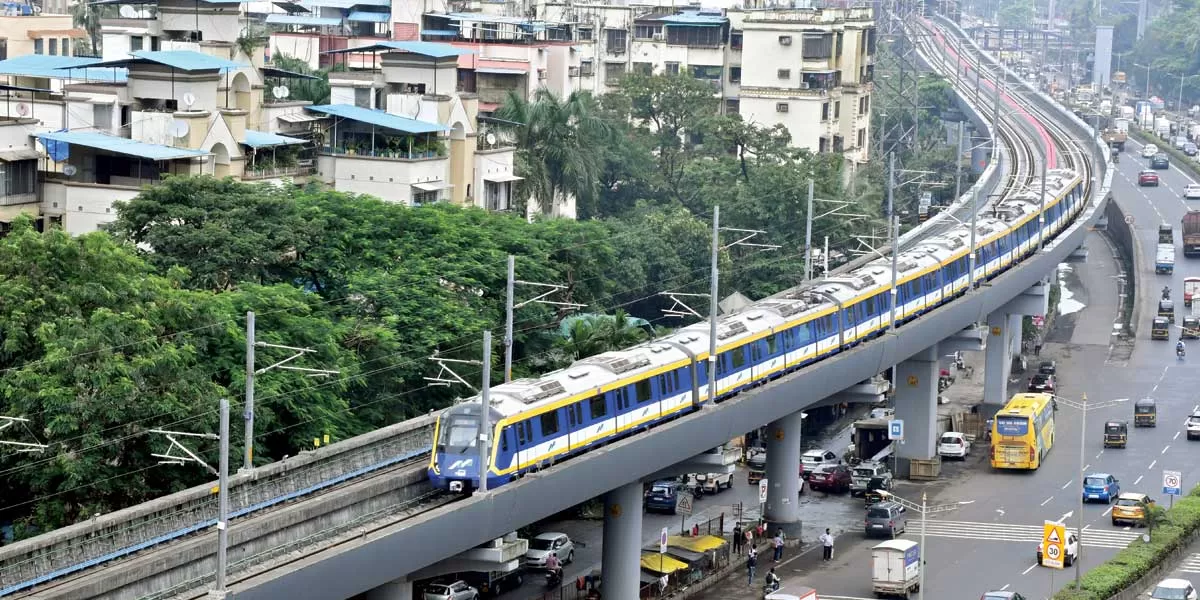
(311, 90)
(557, 143)
(1016, 14)
(590, 335)
(86, 16)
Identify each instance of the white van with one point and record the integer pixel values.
(1192, 191)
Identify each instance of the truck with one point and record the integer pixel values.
(1191, 287)
(1166, 234)
(1164, 259)
(1115, 138)
(1190, 232)
(896, 568)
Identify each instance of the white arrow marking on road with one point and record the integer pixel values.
(1066, 516)
(1001, 511)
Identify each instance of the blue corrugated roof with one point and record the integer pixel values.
(378, 118)
(262, 139)
(363, 16)
(119, 145)
(694, 19)
(278, 19)
(55, 67)
(430, 49)
(184, 60)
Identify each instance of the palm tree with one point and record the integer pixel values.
(558, 146)
(87, 17)
(589, 335)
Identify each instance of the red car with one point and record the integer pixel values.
(830, 479)
(1148, 178)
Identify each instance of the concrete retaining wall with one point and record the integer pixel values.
(1123, 237)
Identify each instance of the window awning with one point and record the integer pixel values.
(440, 32)
(301, 118)
(262, 139)
(15, 154)
(118, 145)
(432, 186)
(502, 178)
(311, 20)
(362, 16)
(495, 71)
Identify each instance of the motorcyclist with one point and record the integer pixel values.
(1166, 293)
(772, 580)
(1180, 349)
(553, 567)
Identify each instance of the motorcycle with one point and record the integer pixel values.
(1166, 293)
(1179, 352)
(553, 577)
(770, 588)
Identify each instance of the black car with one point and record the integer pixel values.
(1041, 383)
(1048, 367)
(1160, 161)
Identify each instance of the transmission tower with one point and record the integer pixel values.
(897, 71)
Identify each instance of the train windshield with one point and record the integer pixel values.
(458, 434)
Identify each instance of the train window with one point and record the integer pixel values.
(643, 391)
(739, 358)
(676, 376)
(772, 344)
(504, 440)
(576, 413)
(549, 423)
(524, 432)
(598, 407)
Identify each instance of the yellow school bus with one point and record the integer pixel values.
(1023, 432)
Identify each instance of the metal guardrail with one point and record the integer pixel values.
(75, 548)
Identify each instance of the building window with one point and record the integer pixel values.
(735, 74)
(735, 39)
(362, 97)
(422, 197)
(783, 73)
(135, 43)
(646, 32)
(102, 116)
(837, 50)
(39, 46)
(53, 47)
(4, 49)
(862, 138)
(864, 105)
(732, 106)
(781, 107)
(712, 72)
(817, 46)
(65, 44)
(703, 37)
(613, 72)
(616, 40)
(825, 111)
(671, 68)
(837, 110)
(585, 68)
(585, 34)
(496, 195)
(643, 68)
(154, 43)
(823, 145)
(17, 177)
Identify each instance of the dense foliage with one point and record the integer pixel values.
(102, 340)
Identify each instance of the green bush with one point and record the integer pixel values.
(1169, 529)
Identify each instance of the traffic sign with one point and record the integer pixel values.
(1054, 536)
(896, 429)
(762, 490)
(684, 505)
(1129, 219)
(662, 541)
(1172, 483)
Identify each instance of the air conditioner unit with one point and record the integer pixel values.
(659, 37)
(804, 85)
(541, 74)
(573, 71)
(785, 40)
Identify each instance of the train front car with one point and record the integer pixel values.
(455, 461)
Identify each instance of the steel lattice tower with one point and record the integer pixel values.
(897, 72)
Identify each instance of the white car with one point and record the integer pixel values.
(710, 483)
(458, 590)
(545, 544)
(1071, 548)
(954, 445)
(1193, 426)
(1173, 589)
(1192, 191)
(812, 459)
(1149, 150)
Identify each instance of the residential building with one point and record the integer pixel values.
(45, 28)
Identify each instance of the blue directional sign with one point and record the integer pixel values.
(896, 429)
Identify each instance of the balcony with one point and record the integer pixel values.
(258, 173)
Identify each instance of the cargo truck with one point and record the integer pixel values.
(896, 568)
(1115, 138)
(1166, 235)
(1164, 259)
(1190, 231)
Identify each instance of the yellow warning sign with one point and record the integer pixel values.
(1054, 535)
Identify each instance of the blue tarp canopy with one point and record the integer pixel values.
(430, 49)
(262, 139)
(184, 60)
(363, 16)
(59, 67)
(278, 19)
(695, 20)
(114, 144)
(378, 118)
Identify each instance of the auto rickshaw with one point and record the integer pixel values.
(1166, 308)
(1160, 329)
(876, 490)
(1145, 413)
(1191, 328)
(1116, 433)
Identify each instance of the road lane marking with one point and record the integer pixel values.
(1005, 587)
(1031, 567)
(1135, 481)
(1047, 501)
(1176, 435)
(1152, 463)
(1168, 445)
(1154, 389)
(1098, 455)
(1106, 511)
(1067, 484)
(1125, 528)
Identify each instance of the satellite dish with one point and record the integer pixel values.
(490, 138)
(179, 128)
(128, 12)
(189, 99)
(70, 170)
(22, 109)
(280, 91)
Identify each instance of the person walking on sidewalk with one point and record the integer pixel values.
(778, 543)
(751, 562)
(827, 544)
(737, 539)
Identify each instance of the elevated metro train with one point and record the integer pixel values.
(538, 422)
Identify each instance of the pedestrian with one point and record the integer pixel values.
(751, 562)
(778, 541)
(749, 536)
(737, 538)
(827, 543)
(695, 530)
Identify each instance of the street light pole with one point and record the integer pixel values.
(485, 406)
(1082, 450)
(713, 298)
(808, 235)
(921, 555)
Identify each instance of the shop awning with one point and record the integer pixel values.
(262, 139)
(661, 563)
(16, 154)
(432, 186)
(701, 543)
(502, 178)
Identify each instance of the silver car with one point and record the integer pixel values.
(545, 544)
(459, 590)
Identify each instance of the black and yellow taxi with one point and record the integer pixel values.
(1116, 434)
(1145, 413)
(1160, 329)
(1132, 508)
(1166, 308)
(1191, 328)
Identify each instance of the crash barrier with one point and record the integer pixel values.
(1141, 564)
(1123, 237)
